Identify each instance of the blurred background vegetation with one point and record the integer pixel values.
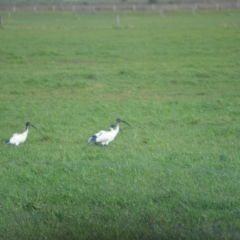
(114, 1)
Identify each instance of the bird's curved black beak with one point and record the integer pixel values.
(33, 126)
(126, 123)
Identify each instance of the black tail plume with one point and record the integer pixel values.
(92, 139)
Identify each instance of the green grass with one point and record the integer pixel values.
(174, 78)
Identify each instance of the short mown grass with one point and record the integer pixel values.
(175, 78)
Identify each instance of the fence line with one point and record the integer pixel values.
(122, 165)
(160, 226)
(120, 7)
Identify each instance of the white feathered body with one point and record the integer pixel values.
(104, 137)
(18, 138)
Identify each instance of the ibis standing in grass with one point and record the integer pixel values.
(105, 137)
(18, 138)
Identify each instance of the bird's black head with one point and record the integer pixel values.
(120, 120)
(28, 124)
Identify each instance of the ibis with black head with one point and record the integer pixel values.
(105, 137)
(18, 138)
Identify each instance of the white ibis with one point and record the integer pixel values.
(105, 137)
(18, 138)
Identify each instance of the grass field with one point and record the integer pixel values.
(174, 78)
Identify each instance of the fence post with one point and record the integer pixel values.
(194, 8)
(117, 21)
(161, 12)
(216, 5)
